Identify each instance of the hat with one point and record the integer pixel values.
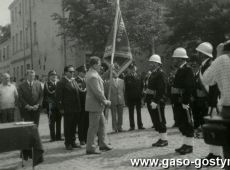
(81, 68)
(52, 72)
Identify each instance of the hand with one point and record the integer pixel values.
(62, 112)
(35, 107)
(153, 105)
(28, 107)
(185, 106)
(108, 103)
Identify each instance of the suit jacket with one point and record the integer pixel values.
(67, 96)
(30, 96)
(133, 87)
(95, 97)
(82, 91)
(117, 91)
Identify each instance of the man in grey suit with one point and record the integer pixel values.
(95, 105)
(30, 98)
(117, 101)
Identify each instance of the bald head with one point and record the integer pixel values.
(5, 78)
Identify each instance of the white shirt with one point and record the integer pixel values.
(8, 95)
(219, 72)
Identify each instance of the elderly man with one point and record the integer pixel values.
(95, 104)
(30, 98)
(8, 98)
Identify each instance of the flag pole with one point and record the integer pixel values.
(113, 46)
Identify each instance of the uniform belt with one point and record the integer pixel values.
(176, 90)
(201, 93)
(151, 92)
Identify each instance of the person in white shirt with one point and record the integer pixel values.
(218, 73)
(8, 99)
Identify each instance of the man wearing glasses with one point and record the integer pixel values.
(67, 95)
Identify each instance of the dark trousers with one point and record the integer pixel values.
(83, 126)
(199, 110)
(226, 149)
(158, 117)
(7, 115)
(184, 120)
(70, 123)
(175, 115)
(54, 123)
(131, 106)
(32, 116)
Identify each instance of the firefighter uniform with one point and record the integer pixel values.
(54, 115)
(183, 85)
(84, 115)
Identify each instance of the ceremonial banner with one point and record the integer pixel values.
(122, 52)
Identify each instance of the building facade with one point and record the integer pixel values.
(34, 38)
(5, 55)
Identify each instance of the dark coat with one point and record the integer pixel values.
(28, 96)
(134, 85)
(49, 94)
(184, 79)
(82, 91)
(156, 82)
(67, 96)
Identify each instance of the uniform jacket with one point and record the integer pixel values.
(49, 94)
(82, 91)
(133, 87)
(30, 95)
(184, 80)
(117, 91)
(95, 97)
(156, 83)
(67, 95)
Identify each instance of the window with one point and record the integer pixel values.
(20, 10)
(14, 72)
(17, 72)
(16, 44)
(21, 40)
(35, 32)
(0, 55)
(27, 41)
(4, 54)
(8, 52)
(12, 15)
(27, 66)
(15, 13)
(26, 3)
(13, 44)
(22, 71)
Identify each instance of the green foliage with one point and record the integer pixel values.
(198, 20)
(90, 22)
(4, 32)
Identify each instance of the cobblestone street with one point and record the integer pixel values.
(127, 145)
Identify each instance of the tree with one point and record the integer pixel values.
(90, 22)
(193, 21)
(4, 32)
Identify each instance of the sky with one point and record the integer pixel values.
(4, 12)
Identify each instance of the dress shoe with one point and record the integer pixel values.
(69, 147)
(186, 150)
(92, 152)
(59, 139)
(82, 143)
(120, 130)
(178, 149)
(131, 129)
(105, 148)
(141, 128)
(212, 156)
(160, 143)
(76, 145)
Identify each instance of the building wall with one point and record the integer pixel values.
(5, 55)
(35, 41)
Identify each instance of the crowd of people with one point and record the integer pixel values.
(83, 99)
